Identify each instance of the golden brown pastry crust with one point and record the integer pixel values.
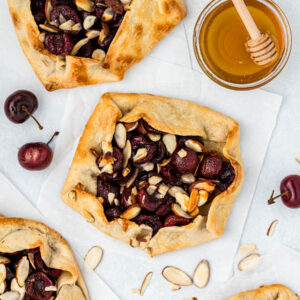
(18, 234)
(168, 115)
(271, 292)
(142, 28)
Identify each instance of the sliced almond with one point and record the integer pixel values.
(145, 283)
(22, 271)
(48, 28)
(141, 153)
(2, 273)
(272, 228)
(246, 249)
(154, 137)
(10, 296)
(175, 287)
(111, 198)
(67, 25)
(203, 197)
(50, 288)
(93, 257)
(116, 202)
(164, 163)
(176, 276)
(125, 2)
(170, 142)
(92, 34)
(163, 189)
(132, 179)
(201, 274)
(188, 178)
(48, 9)
(131, 212)
(182, 153)
(149, 166)
(89, 22)
(248, 262)
(183, 199)
(88, 216)
(14, 287)
(86, 5)
(175, 189)
(99, 54)
(193, 200)
(298, 158)
(194, 145)
(179, 212)
(127, 153)
(120, 135)
(204, 185)
(195, 212)
(4, 260)
(151, 189)
(126, 172)
(107, 15)
(2, 287)
(79, 45)
(42, 37)
(131, 126)
(76, 27)
(154, 180)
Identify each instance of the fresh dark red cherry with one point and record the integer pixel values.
(36, 156)
(20, 105)
(36, 284)
(290, 192)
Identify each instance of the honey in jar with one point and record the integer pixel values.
(222, 41)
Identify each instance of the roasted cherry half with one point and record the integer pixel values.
(290, 192)
(184, 160)
(36, 284)
(36, 156)
(20, 105)
(211, 166)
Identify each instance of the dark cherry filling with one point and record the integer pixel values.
(167, 177)
(40, 281)
(68, 29)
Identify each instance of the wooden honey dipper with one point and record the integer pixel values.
(261, 47)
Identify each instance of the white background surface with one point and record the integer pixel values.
(16, 73)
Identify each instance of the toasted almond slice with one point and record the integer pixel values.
(195, 212)
(10, 296)
(174, 189)
(248, 262)
(48, 28)
(201, 274)
(145, 283)
(125, 2)
(141, 153)
(86, 5)
(93, 257)
(92, 34)
(67, 25)
(194, 145)
(163, 189)
(120, 135)
(135, 291)
(154, 180)
(42, 37)
(76, 27)
(2, 273)
(183, 199)
(151, 189)
(203, 197)
(149, 166)
(204, 185)
(154, 137)
(48, 9)
(79, 45)
(132, 179)
(107, 15)
(99, 54)
(2, 287)
(179, 212)
(188, 178)
(298, 158)
(31, 259)
(193, 200)
(272, 228)
(111, 198)
(88, 216)
(22, 271)
(164, 163)
(182, 153)
(126, 172)
(4, 260)
(14, 286)
(50, 288)
(175, 287)
(176, 276)
(131, 212)
(89, 22)
(246, 249)
(170, 142)
(126, 153)
(131, 126)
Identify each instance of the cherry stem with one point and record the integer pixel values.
(272, 198)
(31, 115)
(54, 135)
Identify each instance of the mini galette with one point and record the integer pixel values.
(71, 43)
(156, 172)
(271, 292)
(37, 263)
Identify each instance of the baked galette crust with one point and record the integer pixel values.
(220, 133)
(18, 234)
(271, 292)
(142, 28)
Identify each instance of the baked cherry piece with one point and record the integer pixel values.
(36, 284)
(290, 192)
(211, 166)
(184, 160)
(59, 43)
(20, 105)
(173, 220)
(36, 156)
(152, 221)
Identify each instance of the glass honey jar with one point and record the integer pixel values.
(220, 37)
